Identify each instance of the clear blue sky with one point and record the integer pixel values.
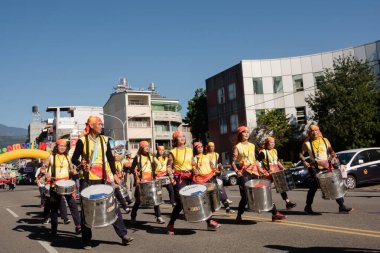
(73, 52)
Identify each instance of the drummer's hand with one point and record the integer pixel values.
(87, 167)
(306, 164)
(238, 173)
(195, 172)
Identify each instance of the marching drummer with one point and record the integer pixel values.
(269, 157)
(144, 169)
(216, 166)
(248, 168)
(322, 158)
(98, 164)
(161, 161)
(204, 174)
(60, 168)
(118, 194)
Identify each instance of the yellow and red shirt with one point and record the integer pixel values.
(319, 146)
(183, 159)
(161, 164)
(203, 165)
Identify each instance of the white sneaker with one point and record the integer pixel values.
(160, 220)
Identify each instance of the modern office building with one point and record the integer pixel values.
(132, 115)
(238, 95)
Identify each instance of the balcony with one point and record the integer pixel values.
(162, 134)
(167, 116)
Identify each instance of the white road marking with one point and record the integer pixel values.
(47, 246)
(11, 212)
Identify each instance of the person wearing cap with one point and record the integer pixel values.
(118, 194)
(129, 177)
(181, 171)
(59, 168)
(216, 166)
(98, 165)
(269, 157)
(248, 168)
(144, 169)
(161, 161)
(322, 158)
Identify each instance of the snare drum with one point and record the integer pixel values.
(195, 203)
(150, 193)
(332, 184)
(283, 181)
(99, 206)
(164, 180)
(259, 195)
(65, 187)
(213, 194)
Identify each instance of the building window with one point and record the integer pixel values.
(221, 96)
(298, 83)
(232, 91)
(223, 126)
(234, 122)
(258, 85)
(318, 79)
(277, 84)
(161, 126)
(259, 112)
(301, 115)
(280, 110)
(139, 122)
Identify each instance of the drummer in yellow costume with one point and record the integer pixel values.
(269, 157)
(93, 153)
(248, 168)
(60, 168)
(119, 173)
(161, 161)
(144, 169)
(322, 158)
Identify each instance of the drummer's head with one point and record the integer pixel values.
(197, 148)
(60, 147)
(160, 150)
(94, 125)
(243, 133)
(179, 139)
(269, 142)
(144, 147)
(313, 132)
(210, 147)
(117, 157)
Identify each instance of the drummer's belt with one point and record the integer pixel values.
(183, 174)
(251, 169)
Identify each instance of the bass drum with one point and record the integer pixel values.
(99, 206)
(259, 195)
(332, 184)
(195, 203)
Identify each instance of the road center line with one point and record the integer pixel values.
(47, 246)
(11, 212)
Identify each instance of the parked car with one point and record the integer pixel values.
(300, 173)
(363, 165)
(229, 176)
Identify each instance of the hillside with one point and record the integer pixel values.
(12, 135)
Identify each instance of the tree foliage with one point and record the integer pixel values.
(273, 123)
(345, 104)
(196, 116)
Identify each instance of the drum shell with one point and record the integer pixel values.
(150, 193)
(332, 184)
(214, 196)
(196, 208)
(100, 212)
(283, 181)
(164, 180)
(259, 198)
(65, 190)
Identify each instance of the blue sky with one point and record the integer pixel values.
(55, 53)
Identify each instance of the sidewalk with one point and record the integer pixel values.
(367, 187)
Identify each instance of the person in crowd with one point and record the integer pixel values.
(129, 177)
(161, 161)
(118, 194)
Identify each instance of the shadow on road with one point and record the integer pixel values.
(316, 249)
(145, 226)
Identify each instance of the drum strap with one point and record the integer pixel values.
(53, 168)
(87, 157)
(312, 151)
(153, 165)
(103, 160)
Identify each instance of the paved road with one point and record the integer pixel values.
(22, 231)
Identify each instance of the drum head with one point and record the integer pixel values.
(257, 183)
(96, 189)
(193, 190)
(65, 183)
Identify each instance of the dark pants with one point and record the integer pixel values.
(170, 189)
(243, 201)
(157, 211)
(177, 187)
(284, 195)
(56, 203)
(42, 194)
(118, 226)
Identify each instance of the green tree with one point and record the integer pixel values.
(196, 116)
(345, 104)
(272, 123)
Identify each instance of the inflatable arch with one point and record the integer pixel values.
(23, 153)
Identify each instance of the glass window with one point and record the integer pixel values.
(234, 122)
(259, 112)
(231, 91)
(318, 79)
(301, 115)
(223, 126)
(298, 83)
(361, 156)
(258, 85)
(374, 155)
(139, 122)
(281, 110)
(345, 158)
(221, 95)
(277, 84)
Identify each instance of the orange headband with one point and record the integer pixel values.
(143, 144)
(91, 120)
(314, 128)
(211, 144)
(160, 148)
(196, 144)
(61, 142)
(242, 129)
(177, 134)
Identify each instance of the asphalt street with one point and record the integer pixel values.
(359, 231)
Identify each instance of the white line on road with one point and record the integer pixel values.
(47, 246)
(11, 212)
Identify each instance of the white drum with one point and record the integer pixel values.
(65, 187)
(99, 206)
(195, 203)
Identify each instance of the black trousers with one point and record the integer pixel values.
(118, 226)
(177, 187)
(135, 208)
(42, 194)
(56, 202)
(170, 189)
(120, 198)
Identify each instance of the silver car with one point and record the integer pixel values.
(229, 176)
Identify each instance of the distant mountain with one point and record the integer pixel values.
(12, 131)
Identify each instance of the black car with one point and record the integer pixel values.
(300, 173)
